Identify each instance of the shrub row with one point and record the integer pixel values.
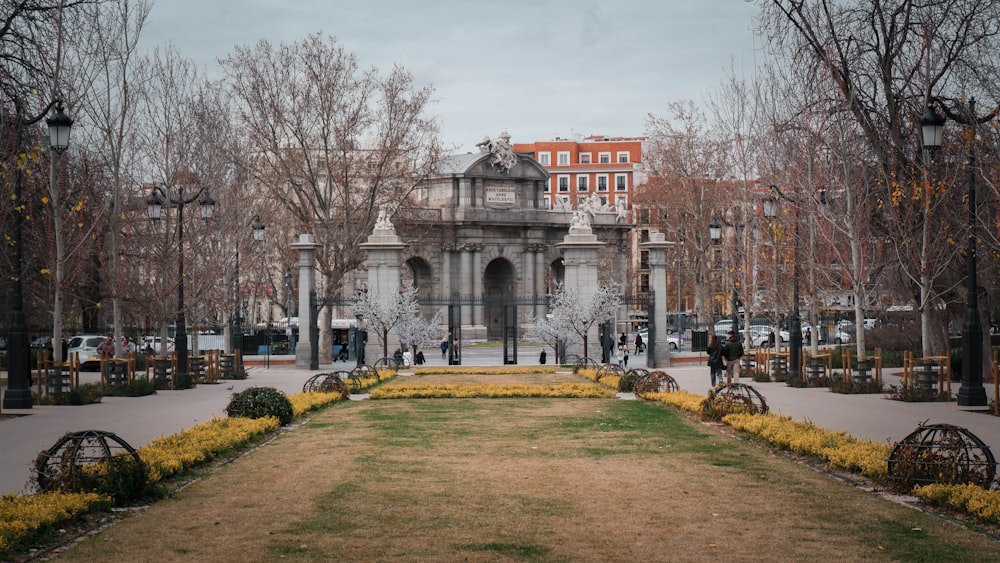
(482, 390)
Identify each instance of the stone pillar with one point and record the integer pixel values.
(541, 268)
(478, 312)
(306, 247)
(580, 250)
(385, 255)
(657, 247)
(465, 284)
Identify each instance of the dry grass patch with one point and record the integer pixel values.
(488, 378)
(533, 479)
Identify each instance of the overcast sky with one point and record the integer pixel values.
(536, 68)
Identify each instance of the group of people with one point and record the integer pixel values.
(725, 356)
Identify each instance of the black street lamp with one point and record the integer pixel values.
(235, 320)
(18, 393)
(972, 393)
(715, 234)
(770, 204)
(154, 209)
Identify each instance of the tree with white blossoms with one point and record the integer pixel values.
(550, 330)
(573, 312)
(381, 313)
(415, 331)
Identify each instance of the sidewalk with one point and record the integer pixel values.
(138, 420)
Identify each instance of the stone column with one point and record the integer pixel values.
(465, 284)
(580, 250)
(478, 312)
(385, 255)
(306, 247)
(541, 268)
(657, 247)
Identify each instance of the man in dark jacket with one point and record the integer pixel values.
(733, 352)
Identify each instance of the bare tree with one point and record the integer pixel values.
(886, 59)
(688, 164)
(332, 142)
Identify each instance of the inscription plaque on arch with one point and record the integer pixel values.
(501, 196)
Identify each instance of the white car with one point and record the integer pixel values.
(759, 336)
(84, 349)
(152, 345)
(672, 340)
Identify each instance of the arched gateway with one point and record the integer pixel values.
(488, 241)
(483, 248)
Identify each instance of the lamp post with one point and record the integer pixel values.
(972, 393)
(154, 209)
(715, 234)
(235, 320)
(770, 204)
(18, 393)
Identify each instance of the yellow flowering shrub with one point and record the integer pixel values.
(691, 402)
(977, 501)
(493, 370)
(482, 390)
(173, 454)
(839, 449)
(23, 518)
(305, 402)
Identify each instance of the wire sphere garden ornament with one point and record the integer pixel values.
(941, 453)
(734, 398)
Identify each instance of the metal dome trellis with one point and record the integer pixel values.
(654, 382)
(328, 382)
(735, 398)
(92, 461)
(941, 453)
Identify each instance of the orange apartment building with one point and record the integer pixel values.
(609, 167)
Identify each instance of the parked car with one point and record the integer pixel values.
(673, 340)
(807, 332)
(760, 336)
(83, 348)
(723, 327)
(152, 345)
(844, 334)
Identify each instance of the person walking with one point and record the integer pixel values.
(444, 348)
(638, 343)
(733, 352)
(541, 357)
(715, 362)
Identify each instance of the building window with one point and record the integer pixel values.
(623, 158)
(543, 158)
(644, 283)
(563, 199)
(604, 158)
(564, 183)
(644, 260)
(602, 182)
(585, 158)
(548, 185)
(563, 157)
(644, 216)
(621, 182)
(644, 235)
(581, 183)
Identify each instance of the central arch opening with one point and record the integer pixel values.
(499, 289)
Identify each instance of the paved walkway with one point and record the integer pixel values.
(139, 420)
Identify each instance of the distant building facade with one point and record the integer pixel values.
(606, 167)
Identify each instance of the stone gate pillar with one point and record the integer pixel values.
(657, 247)
(385, 255)
(580, 250)
(306, 247)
